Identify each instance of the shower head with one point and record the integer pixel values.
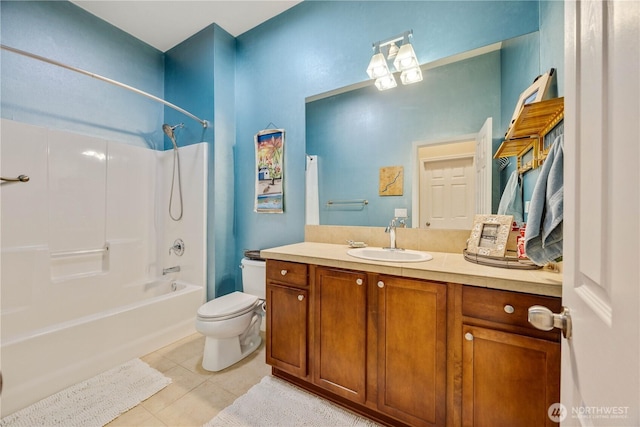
(168, 130)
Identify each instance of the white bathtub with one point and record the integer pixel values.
(148, 316)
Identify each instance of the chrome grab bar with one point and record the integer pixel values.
(20, 178)
(80, 252)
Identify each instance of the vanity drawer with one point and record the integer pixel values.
(291, 273)
(505, 307)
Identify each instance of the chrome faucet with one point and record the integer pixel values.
(170, 270)
(391, 229)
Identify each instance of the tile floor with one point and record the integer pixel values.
(195, 396)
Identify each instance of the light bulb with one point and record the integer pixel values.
(406, 58)
(386, 82)
(412, 75)
(378, 66)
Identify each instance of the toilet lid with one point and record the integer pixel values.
(228, 305)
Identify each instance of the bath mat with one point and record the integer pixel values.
(273, 402)
(94, 402)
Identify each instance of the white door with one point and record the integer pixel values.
(484, 168)
(447, 199)
(601, 362)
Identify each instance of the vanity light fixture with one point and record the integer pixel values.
(404, 61)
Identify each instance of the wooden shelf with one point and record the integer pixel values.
(525, 135)
(534, 121)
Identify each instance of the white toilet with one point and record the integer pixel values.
(231, 323)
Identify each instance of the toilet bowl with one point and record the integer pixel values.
(231, 323)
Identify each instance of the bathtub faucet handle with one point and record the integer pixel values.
(177, 248)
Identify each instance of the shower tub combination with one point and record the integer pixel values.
(43, 361)
(84, 243)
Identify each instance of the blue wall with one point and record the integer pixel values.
(357, 132)
(42, 94)
(318, 46)
(222, 199)
(200, 77)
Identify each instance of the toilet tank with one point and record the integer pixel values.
(254, 280)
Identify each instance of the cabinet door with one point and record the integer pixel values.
(412, 361)
(340, 332)
(287, 317)
(508, 379)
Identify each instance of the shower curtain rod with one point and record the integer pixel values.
(204, 123)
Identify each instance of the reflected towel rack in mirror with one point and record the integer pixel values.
(347, 205)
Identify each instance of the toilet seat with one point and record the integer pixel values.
(228, 306)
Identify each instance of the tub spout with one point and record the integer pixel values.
(170, 270)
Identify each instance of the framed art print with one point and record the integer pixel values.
(489, 235)
(269, 171)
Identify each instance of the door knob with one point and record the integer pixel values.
(544, 319)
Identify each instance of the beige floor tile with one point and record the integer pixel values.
(183, 381)
(158, 362)
(195, 365)
(133, 417)
(152, 422)
(197, 407)
(195, 394)
(184, 349)
(238, 383)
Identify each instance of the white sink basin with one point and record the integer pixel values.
(382, 254)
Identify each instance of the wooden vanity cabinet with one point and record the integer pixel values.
(412, 365)
(412, 352)
(510, 371)
(340, 336)
(287, 317)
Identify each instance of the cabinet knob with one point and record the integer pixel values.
(381, 284)
(468, 336)
(300, 297)
(509, 309)
(359, 281)
(283, 272)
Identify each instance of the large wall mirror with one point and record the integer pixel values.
(359, 139)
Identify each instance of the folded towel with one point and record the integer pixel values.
(511, 200)
(543, 238)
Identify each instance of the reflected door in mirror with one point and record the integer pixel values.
(447, 193)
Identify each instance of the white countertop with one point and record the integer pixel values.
(444, 267)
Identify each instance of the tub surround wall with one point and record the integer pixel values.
(89, 194)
